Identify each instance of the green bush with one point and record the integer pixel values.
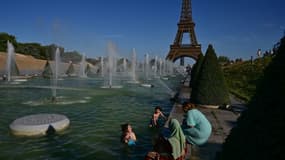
(195, 70)
(259, 133)
(4, 37)
(210, 87)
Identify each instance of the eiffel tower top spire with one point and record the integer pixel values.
(186, 12)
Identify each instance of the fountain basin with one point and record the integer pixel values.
(133, 82)
(20, 80)
(165, 78)
(115, 87)
(39, 124)
(147, 85)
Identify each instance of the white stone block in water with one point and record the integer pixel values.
(38, 124)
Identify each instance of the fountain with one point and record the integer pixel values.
(112, 62)
(146, 70)
(82, 71)
(111, 68)
(133, 68)
(165, 67)
(162, 67)
(134, 65)
(102, 66)
(55, 75)
(10, 58)
(98, 118)
(170, 68)
(146, 67)
(124, 65)
(39, 124)
(155, 67)
(42, 124)
(11, 67)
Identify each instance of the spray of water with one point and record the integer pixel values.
(125, 65)
(134, 59)
(102, 66)
(55, 73)
(82, 71)
(10, 59)
(146, 66)
(111, 62)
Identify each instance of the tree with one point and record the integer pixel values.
(50, 51)
(195, 70)
(259, 133)
(210, 87)
(34, 49)
(223, 60)
(73, 56)
(4, 37)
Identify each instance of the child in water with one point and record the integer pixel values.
(157, 113)
(128, 136)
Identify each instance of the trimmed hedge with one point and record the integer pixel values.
(210, 87)
(195, 70)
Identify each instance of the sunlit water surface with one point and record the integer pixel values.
(95, 114)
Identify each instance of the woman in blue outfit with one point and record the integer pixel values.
(197, 129)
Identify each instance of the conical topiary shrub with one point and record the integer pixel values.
(210, 87)
(70, 71)
(259, 133)
(195, 70)
(47, 73)
(88, 69)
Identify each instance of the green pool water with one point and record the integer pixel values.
(95, 115)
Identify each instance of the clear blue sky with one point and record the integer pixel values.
(235, 28)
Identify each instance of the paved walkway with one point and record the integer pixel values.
(222, 121)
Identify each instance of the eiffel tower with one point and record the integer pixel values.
(185, 25)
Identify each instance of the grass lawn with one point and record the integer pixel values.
(242, 77)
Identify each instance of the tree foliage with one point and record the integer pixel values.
(4, 37)
(73, 56)
(259, 133)
(34, 49)
(210, 87)
(223, 60)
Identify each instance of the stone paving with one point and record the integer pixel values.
(222, 121)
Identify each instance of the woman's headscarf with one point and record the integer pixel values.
(176, 139)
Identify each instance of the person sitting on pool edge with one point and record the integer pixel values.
(196, 127)
(172, 147)
(128, 136)
(155, 117)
